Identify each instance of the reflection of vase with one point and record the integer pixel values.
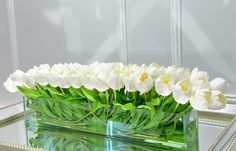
(162, 130)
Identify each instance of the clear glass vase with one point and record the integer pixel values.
(170, 131)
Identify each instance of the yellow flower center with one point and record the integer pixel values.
(143, 77)
(155, 65)
(72, 72)
(208, 97)
(116, 71)
(165, 79)
(222, 98)
(184, 85)
(204, 79)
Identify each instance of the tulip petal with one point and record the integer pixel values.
(201, 99)
(164, 85)
(218, 100)
(219, 84)
(182, 91)
(10, 85)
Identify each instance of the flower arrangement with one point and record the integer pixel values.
(185, 87)
(151, 102)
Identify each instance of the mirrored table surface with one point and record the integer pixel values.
(216, 132)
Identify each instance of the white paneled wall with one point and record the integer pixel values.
(209, 37)
(52, 31)
(148, 24)
(6, 58)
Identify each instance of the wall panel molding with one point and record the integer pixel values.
(176, 32)
(123, 32)
(12, 34)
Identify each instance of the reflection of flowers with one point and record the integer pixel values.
(186, 87)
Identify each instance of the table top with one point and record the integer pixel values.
(217, 130)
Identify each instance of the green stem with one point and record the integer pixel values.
(145, 97)
(176, 106)
(115, 97)
(85, 116)
(62, 91)
(135, 96)
(107, 98)
(112, 111)
(171, 116)
(188, 108)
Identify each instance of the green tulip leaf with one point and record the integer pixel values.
(90, 94)
(103, 97)
(31, 93)
(144, 107)
(128, 106)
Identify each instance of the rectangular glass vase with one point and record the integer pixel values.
(172, 131)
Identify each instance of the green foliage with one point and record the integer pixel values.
(90, 94)
(147, 114)
(29, 92)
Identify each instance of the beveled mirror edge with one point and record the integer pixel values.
(16, 147)
(227, 139)
(11, 113)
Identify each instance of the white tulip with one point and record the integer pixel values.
(44, 67)
(219, 84)
(182, 91)
(71, 75)
(144, 83)
(42, 77)
(31, 74)
(29, 83)
(129, 81)
(201, 99)
(62, 81)
(115, 80)
(199, 79)
(97, 67)
(164, 84)
(91, 81)
(54, 80)
(74, 81)
(177, 73)
(218, 100)
(172, 70)
(194, 87)
(117, 65)
(10, 85)
(155, 70)
(182, 73)
(57, 69)
(74, 66)
(18, 77)
(88, 83)
(94, 65)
